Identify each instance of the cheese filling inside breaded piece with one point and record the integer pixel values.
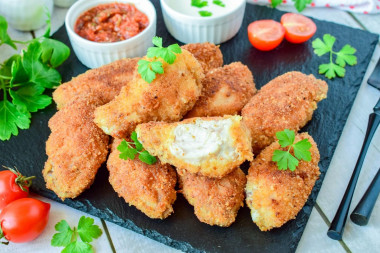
(211, 146)
(216, 201)
(276, 196)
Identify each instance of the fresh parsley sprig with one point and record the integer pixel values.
(285, 159)
(299, 4)
(127, 151)
(24, 78)
(149, 68)
(68, 238)
(345, 56)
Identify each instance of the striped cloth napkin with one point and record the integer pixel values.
(359, 6)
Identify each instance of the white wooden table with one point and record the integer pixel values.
(314, 239)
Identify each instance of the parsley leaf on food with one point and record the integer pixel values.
(199, 3)
(205, 13)
(4, 37)
(148, 69)
(219, 3)
(11, 118)
(343, 57)
(285, 159)
(127, 151)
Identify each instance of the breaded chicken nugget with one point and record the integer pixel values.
(170, 96)
(226, 90)
(212, 146)
(76, 148)
(148, 187)
(215, 201)
(286, 102)
(208, 55)
(105, 82)
(276, 196)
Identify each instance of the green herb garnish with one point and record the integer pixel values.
(68, 238)
(149, 68)
(205, 13)
(127, 151)
(24, 78)
(299, 4)
(285, 159)
(343, 57)
(199, 3)
(219, 3)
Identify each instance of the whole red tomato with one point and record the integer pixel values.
(13, 186)
(24, 219)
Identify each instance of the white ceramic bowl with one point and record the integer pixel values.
(94, 54)
(190, 28)
(25, 15)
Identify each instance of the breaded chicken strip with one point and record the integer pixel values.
(170, 96)
(226, 90)
(148, 187)
(212, 146)
(76, 148)
(276, 196)
(104, 82)
(286, 102)
(208, 55)
(215, 201)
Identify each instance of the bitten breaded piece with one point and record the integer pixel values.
(148, 187)
(276, 196)
(105, 82)
(286, 102)
(208, 55)
(215, 201)
(76, 148)
(212, 146)
(226, 90)
(170, 96)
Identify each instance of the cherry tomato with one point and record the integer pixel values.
(298, 28)
(13, 186)
(24, 219)
(265, 34)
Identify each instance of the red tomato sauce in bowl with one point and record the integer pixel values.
(111, 22)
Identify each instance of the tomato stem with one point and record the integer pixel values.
(2, 236)
(23, 182)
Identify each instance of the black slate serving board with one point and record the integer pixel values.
(182, 230)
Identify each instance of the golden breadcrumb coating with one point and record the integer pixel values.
(151, 188)
(105, 82)
(226, 90)
(288, 101)
(276, 196)
(170, 96)
(215, 201)
(76, 148)
(159, 139)
(208, 55)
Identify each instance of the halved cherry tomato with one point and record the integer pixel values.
(298, 28)
(265, 34)
(13, 186)
(24, 219)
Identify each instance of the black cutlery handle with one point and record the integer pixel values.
(363, 210)
(337, 225)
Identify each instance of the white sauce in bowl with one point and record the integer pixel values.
(185, 7)
(195, 142)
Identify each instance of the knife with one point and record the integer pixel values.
(363, 210)
(374, 79)
(337, 225)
